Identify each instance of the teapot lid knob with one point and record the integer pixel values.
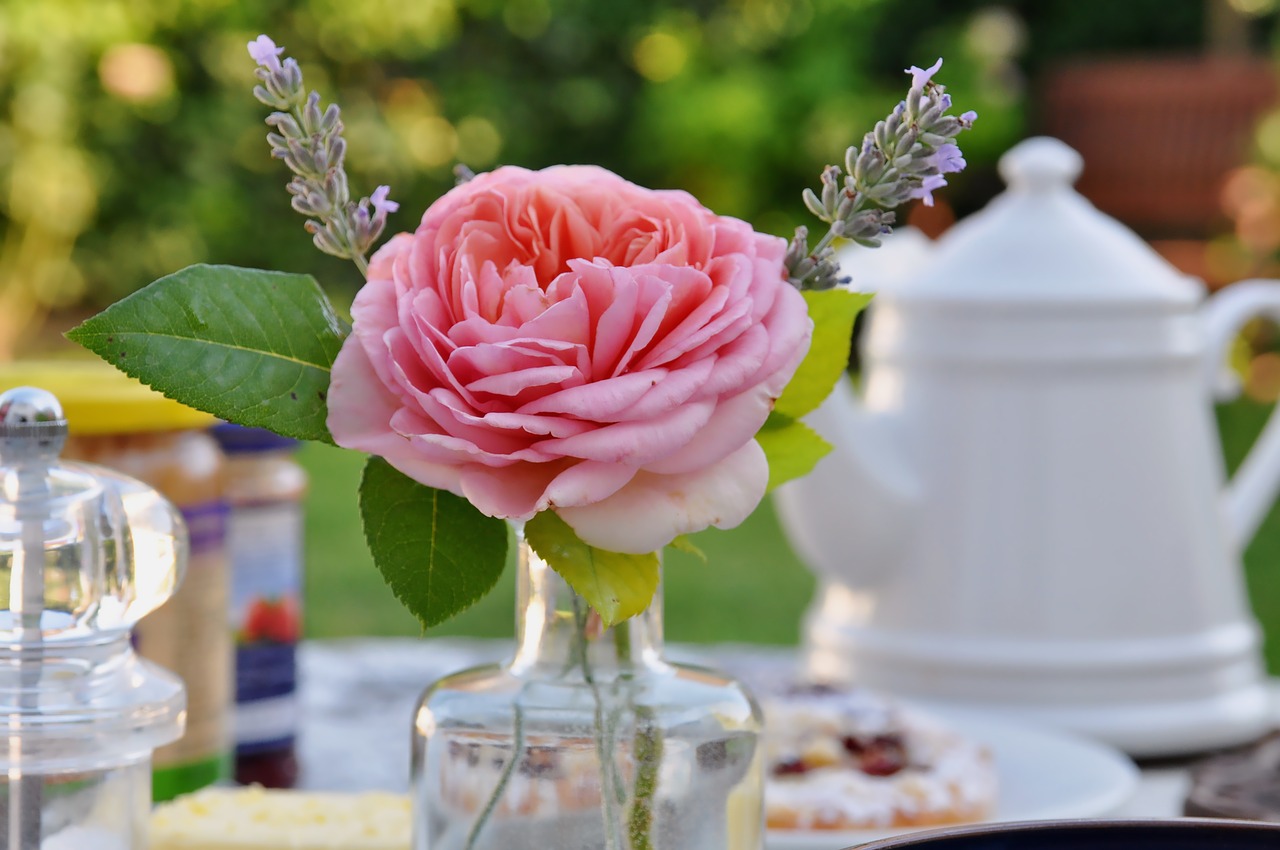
(1041, 164)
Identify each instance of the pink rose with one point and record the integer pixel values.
(565, 339)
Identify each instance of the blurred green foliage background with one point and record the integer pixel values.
(130, 145)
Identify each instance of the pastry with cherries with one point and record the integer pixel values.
(853, 760)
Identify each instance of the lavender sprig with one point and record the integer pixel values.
(310, 142)
(904, 157)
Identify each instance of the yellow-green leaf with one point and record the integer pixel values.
(792, 448)
(833, 312)
(615, 584)
(684, 543)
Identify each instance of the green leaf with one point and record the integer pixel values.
(684, 543)
(792, 448)
(436, 551)
(617, 585)
(252, 347)
(833, 312)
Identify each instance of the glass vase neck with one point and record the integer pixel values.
(557, 631)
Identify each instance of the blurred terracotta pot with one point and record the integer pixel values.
(1159, 134)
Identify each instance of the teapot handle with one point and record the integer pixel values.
(1253, 489)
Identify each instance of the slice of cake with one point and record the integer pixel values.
(852, 760)
(260, 819)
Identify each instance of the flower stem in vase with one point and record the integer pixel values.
(647, 750)
(517, 752)
(647, 753)
(603, 736)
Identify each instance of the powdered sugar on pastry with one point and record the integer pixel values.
(847, 760)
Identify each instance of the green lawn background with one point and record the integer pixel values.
(753, 589)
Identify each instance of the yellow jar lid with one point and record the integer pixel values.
(98, 398)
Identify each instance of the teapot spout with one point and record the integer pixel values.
(850, 519)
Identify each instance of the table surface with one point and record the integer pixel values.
(357, 698)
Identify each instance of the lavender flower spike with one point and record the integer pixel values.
(903, 158)
(265, 53)
(948, 158)
(382, 204)
(927, 187)
(310, 142)
(920, 78)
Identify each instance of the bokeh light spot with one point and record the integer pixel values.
(479, 141)
(1251, 197)
(353, 31)
(660, 56)
(137, 73)
(1253, 8)
(527, 19)
(53, 187)
(1263, 380)
(407, 98)
(58, 282)
(995, 33)
(431, 140)
(1268, 137)
(41, 110)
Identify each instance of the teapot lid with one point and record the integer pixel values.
(1041, 243)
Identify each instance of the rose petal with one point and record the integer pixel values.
(512, 492)
(735, 420)
(518, 384)
(601, 401)
(587, 482)
(652, 510)
(790, 331)
(672, 388)
(360, 413)
(449, 415)
(636, 443)
(373, 313)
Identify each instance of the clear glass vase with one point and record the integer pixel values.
(587, 739)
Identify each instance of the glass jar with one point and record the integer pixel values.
(121, 424)
(84, 553)
(586, 739)
(265, 488)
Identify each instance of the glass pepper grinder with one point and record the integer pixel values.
(84, 553)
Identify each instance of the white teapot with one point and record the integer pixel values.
(1025, 507)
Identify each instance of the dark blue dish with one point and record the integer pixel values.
(1181, 834)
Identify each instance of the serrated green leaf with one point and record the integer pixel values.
(684, 543)
(615, 584)
(249, 346)
(436, 551)
(833, 312)
(792, 448)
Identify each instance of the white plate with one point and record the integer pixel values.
(1043, 775)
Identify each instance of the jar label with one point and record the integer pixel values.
(188, 636)
(265, 541)
(207, 527)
